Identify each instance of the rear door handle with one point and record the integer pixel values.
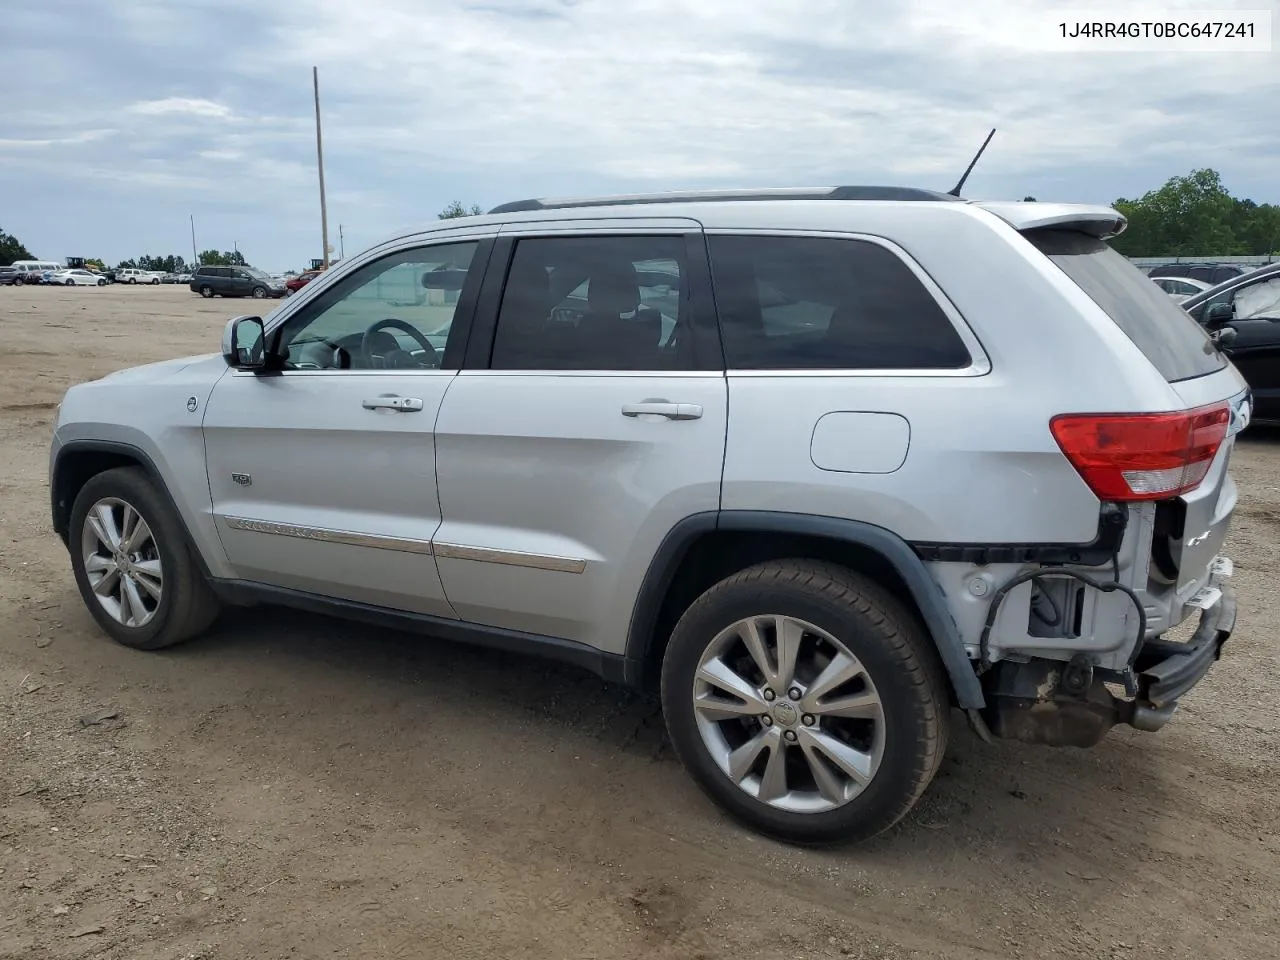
(399, 404)
(661, 408)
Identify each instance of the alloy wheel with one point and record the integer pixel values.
(789, 714)
(122, 562)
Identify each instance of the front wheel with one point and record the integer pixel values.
(259, 293)
(136, 571)
(102, 283)
(806, 701)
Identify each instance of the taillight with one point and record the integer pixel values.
(1142, 456)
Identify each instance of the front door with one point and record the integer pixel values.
(322, 474)
(590, 420)
(1255, 350)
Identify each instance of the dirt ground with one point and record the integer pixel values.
(293, 787)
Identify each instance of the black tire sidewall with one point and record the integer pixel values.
(132, 486)
(206, 292)
(259, 293)
(895, 783)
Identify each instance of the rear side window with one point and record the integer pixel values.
(819, 303)
(1164, 332)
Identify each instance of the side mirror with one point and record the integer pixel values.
(1218, 314)
(243, 343)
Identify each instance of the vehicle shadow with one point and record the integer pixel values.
(1035, 805)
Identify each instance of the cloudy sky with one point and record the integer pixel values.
(121, 119)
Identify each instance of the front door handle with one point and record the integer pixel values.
(399, 404)
(661, 408)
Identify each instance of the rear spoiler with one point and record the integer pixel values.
(1096, 221)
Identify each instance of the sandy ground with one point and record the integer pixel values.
(292, 787)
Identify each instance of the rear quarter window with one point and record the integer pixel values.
(806, 303)
(1167, 336)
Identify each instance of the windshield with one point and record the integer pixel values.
(255, 273)
(1173, 342)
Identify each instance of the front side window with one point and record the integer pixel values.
(819, 303)
(394, 313)
(595, 303)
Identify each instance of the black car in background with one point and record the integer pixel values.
(234, 282)
(1243, 315)
(1207, 272)
(9, 277)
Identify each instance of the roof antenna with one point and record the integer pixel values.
(955, 191)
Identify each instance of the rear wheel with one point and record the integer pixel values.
(805, 701)
(71, 283)
(206, 292)
(135, 569)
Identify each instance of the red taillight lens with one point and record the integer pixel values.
(1142, 456)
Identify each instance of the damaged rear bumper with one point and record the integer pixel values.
(1071, 704)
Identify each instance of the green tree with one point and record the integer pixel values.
(1191, 216)
(225, 258)
(11, 249)
(93, 263)
(456, 209)
(1028, 199)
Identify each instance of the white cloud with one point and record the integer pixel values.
(182, 106)
(84, 136)
(669, 89)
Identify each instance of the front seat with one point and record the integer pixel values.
(607, 338)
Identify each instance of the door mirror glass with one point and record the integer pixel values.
(243, 343)
(1218, 314)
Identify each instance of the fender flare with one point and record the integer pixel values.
(895, 551)
(122, 450)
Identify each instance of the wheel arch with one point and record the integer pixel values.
(704, 548)
(78, 461)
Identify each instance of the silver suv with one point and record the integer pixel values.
(817, 465)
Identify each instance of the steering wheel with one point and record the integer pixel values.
(367, 346)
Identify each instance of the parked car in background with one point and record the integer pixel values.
(33, 270)
(77, 278)
(134, 275)
(243, 281)
(9, 277)
(1243, 315)
(1210, 273)
(294, 284)
(1180, 287)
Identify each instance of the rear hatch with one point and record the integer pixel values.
(1184, 486)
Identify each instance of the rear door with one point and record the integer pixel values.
(589, 420)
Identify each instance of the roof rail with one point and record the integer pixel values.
(703, 196)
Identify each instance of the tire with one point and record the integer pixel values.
(71, 283)
(155, 282)
(206, 292)
(186, 605)
(102, 283)
(899, 668)
(259, 293)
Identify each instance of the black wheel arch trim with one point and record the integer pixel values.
(906, 562)
(62, 514)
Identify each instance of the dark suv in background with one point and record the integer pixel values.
(1210, 273)
(235, 282)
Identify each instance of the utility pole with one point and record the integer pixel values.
(342, 247)
(195, 257)
(324, 213)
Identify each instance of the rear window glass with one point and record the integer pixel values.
(814, 303)
(1174, 343)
